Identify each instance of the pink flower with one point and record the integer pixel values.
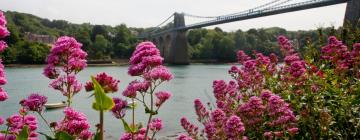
(66, 84)
(4, 32)
(3, 46)
(1, 121)
(34, 102)
(293, 131)
(85, 135)
(234, 128)
(219, 89)
(51, 72)
(234, 70)
(297, 68)
(17, 122)
(242, 57)
(191, 129)
(156, 125)
(268, 135)
(184, 137)
(285, 46)
(3, 94)
(74, 123)
(291, 58)
(135, 86)
(162, 96)
(210, 130)
(108, 83)
(201, 111)
(218, 116)
(67, 51)
(145, 56)
(2, 19)
(126, 136)
(77, 64)
(120, 108)
(159, 73)
(261, 59)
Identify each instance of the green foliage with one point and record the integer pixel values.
(24, 133)
(99, 41)
(63, 136)
(102, 101)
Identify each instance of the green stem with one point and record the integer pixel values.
(147, 127)
(133, 118)
(101, 125)
(153, 136)
(7, 132)
(151, 113)
(47, 123)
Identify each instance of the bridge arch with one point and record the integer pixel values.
(160, 45)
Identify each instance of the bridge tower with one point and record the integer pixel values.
(178, 44)
(352, 14)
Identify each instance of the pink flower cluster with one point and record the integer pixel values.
(184, 137)
(293, 63)
(156, 125)
(66, 52)
(253, 117)
(158, 73)
(201, 111)
(191, 129)
(140, 135)
(136, 86)
(341, 57)
(3, 33)
(234, 128)
(108, 83)
(120, 108)
(162, 96)
(74, 123)
(145, 56)
(17, 122)
(34, 102)
(146, 63)
(253, 70)
(3, 30)
(66, 84)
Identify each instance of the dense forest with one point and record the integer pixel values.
(103, 42)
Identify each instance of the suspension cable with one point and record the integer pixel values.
(158, 26)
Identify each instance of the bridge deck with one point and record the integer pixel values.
(259, 13)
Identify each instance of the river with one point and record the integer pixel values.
(190, 82)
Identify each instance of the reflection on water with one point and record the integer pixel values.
(190, 82)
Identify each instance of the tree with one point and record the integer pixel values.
(100, 49)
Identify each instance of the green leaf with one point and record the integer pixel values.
(102, 101)
(63, 136)
(97, 136)
(126, 126)
(24, 133)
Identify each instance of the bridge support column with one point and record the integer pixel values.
(178, 46)
(352, 14)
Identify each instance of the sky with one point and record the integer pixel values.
(148, 13)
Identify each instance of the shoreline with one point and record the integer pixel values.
(121, 63)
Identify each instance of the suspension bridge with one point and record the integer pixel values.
(172, 43)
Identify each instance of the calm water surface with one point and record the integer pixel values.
(190, 82)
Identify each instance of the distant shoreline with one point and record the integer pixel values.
(114, 63)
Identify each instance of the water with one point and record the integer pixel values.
(190, 82)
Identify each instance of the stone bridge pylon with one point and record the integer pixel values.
(173, 45)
